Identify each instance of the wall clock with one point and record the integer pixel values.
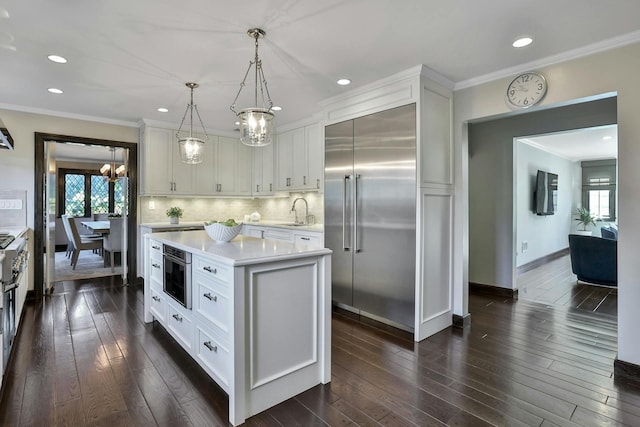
(526, 90)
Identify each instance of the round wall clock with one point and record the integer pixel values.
(526, 90)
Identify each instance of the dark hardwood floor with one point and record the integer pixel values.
(84, 357)
(553, 283)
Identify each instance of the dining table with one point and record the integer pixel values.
(98, 227)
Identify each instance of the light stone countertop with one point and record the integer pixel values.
(242, 250)
(318, 228)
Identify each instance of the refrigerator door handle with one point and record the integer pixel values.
(345, 247)
(355, 214)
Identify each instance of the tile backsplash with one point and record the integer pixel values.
(199, 209)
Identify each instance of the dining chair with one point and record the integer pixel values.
(67, 230)
(113, 240)
(81, 243)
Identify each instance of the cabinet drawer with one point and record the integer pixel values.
(158, 305)
(277, 233)
(155, 268)
(212, 269)
(155, 249)
(308, 239)
(212, 303)
(180, 326)
(213, 357)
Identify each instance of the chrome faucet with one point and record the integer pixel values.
(306, 211)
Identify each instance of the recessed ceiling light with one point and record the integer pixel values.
(276, 108)
(237, 123)
(522, 42)
(54, 90)
(163, 110)
(343, 82)
(57, 59)
(606, 138)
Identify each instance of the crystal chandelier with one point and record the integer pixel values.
(110, 171)
(256, 123)
(191, 148)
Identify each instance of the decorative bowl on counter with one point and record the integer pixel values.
(222, 233)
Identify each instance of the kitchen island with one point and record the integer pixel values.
(258, 320)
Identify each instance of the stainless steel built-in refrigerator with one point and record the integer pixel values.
(370, 213)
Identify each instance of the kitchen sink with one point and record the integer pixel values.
(293, 224)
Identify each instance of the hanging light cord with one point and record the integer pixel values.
(190, 107)
(259, 76)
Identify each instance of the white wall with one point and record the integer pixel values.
(611, 71)
(544, 234)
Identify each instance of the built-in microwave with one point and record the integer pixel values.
(177, 274)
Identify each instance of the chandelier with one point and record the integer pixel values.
(191, 148)
(256, 123)
(110, 171)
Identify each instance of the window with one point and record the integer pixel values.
(85, 192)
(599, 188)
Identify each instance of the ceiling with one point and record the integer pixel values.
(594, 143)
(127, 58)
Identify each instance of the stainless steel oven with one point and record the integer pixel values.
(13, 267)
(177, 274)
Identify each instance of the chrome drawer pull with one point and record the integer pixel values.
(155, 247)
(155, 298)
(210, 346)
(178, 318)
(210, 270)
(155, 265)
(304, 238)
(208, 296)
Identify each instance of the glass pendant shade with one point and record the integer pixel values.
(256, 127)
(191, 149)
(256, 124)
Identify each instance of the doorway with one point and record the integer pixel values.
(584, 164)
(492, 216)
(43, 185)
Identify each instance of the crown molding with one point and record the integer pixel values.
(64, 115)
(591, 49)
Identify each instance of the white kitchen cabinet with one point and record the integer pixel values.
(263, 232)
(161, 171)
(262, 176)
(205, 172)
(232, 168)
(293, 234)
(299, 159)
(311, 238)
(235, 318)
(315, 157)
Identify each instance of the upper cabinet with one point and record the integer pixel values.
(233, 168)
(262, 175)
(299, 159)
(226, 168)
(161, 171)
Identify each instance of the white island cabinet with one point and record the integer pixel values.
(260, 316)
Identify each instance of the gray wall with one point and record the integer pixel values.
(491, 186)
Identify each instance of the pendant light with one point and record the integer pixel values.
(191, 148)
(110, 171)
(256, 123)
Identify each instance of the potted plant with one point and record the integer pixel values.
(174, 213)
(584, 219)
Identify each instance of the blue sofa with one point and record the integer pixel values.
(609, 232)
(594, 259)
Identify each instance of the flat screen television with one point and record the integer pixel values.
(546, 193)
